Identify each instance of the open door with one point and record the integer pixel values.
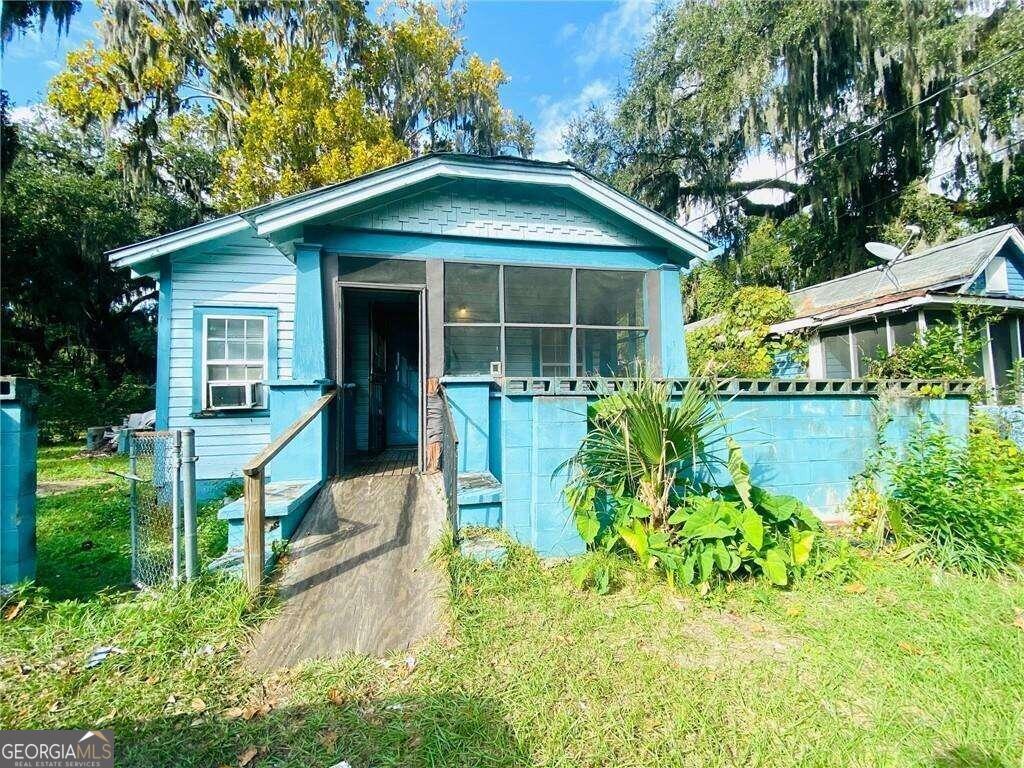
(376, 429)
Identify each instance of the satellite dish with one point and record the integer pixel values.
(884, 251)
(890, 254)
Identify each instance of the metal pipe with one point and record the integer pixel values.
(175, 507)
(133, 503)
(188, 482)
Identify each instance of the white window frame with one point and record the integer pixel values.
(207, 363)
(997, 278)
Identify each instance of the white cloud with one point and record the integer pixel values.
(568, 30)
(617, 33)
(553, 117)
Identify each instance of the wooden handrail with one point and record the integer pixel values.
(255, 493)
(261, 459)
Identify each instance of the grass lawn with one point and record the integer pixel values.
(905, 666)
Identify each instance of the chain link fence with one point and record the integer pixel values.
(161, 478)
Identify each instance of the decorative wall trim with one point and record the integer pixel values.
(745, 387)
(479, 213)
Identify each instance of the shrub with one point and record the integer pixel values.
(75, 393)
(960, 505)
(634, 489)
(737, 343)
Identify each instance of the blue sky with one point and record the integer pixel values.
(560, 56)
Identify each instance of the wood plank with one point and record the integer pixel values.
(359, 576)
(254, 520)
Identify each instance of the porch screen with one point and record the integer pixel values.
(543, 321)
(836, 347)
(1004, 352)
(472, 334)
(872, 345)
(904, 329)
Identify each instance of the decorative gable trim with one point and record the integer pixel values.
(489, 214)
(1012, 235)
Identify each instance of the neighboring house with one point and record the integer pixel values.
(853, 320)
(454, 267)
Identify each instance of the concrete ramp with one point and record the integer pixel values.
(358, 576)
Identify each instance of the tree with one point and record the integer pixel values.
(64, 204)
(294, 94)
(24, 15)
(868, 97)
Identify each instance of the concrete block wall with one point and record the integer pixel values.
(810, 446)
(1009, 418)
(807, 446)
(19, 434)
(539, 434)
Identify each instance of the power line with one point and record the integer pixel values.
(859, 135)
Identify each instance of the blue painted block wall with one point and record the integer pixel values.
(805, 446)
(539, 435)
(1009, 419)
(18, 443)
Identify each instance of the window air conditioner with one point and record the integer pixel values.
(232, 395)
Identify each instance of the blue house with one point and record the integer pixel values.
(465, 271)
(856, 319)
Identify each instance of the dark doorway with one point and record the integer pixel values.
(382, 363)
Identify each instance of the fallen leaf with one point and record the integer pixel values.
(855, 588)
(794, 611)
(198, 705)
(11, 613)
(247, 756)
(336, 696)
(254, 710)
(1018, 620)
(151, 680)
(232, 713)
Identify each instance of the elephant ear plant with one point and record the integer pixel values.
(638, 485)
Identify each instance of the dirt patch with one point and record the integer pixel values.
(54, 487)
(722, 639)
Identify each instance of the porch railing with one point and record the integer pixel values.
(449, 458)
(255, 493)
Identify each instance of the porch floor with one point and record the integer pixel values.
(387, 463)
(358, 576)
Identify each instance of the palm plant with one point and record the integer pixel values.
(641, 440)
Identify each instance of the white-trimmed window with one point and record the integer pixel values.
(234, 362)
(996, 278)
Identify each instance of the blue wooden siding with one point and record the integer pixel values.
(414, 246)
(250, 275)
(1014, 272)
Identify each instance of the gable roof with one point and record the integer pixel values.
(279, 219)
(950, 267)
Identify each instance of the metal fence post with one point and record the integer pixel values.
(133, 502)
(188, 495)
(176, 507)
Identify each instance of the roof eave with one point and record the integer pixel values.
(133, 255)
(287, 214)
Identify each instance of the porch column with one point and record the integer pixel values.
(674, 362)
(309, 360)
